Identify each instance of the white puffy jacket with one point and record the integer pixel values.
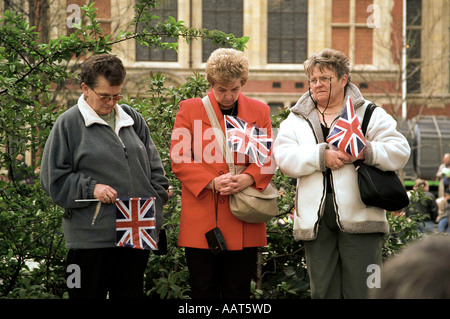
(299, 152)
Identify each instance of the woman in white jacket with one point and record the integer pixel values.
(342, 236)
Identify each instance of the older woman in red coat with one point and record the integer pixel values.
(200, 166)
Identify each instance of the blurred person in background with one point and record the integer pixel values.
(443, 175)
(420, 271)
(425, 206)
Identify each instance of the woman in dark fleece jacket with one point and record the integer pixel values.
(101, 150)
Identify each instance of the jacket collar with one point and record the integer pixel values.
(90, 117)
(246, 111)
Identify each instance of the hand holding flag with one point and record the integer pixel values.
(347, 134)
(135, 222)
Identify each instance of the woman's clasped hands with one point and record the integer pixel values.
(228, 184)
(336, 159)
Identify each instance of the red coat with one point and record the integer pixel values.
(195, 163)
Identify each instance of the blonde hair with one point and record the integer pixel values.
(226, 65)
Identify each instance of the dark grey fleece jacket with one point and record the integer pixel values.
(83, 150)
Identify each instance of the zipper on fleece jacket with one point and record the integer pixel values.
(129, 172)
(121, 142)
(97, 210)
(322, 201)
(338, 220)
(124, 149)
(321, 206)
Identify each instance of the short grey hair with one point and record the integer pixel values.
(330, 59)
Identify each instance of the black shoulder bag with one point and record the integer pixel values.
(379, 188)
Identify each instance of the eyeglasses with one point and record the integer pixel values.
(107, 98)
(323, 80)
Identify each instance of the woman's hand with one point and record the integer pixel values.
(335, 159)
(105, 193)
(228, 184)
(236, 183)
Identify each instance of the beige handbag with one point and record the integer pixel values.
(249, 205)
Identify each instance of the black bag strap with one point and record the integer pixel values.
(367, 114)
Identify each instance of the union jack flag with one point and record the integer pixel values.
(247, 139)
(347, 134)
(135, 223)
